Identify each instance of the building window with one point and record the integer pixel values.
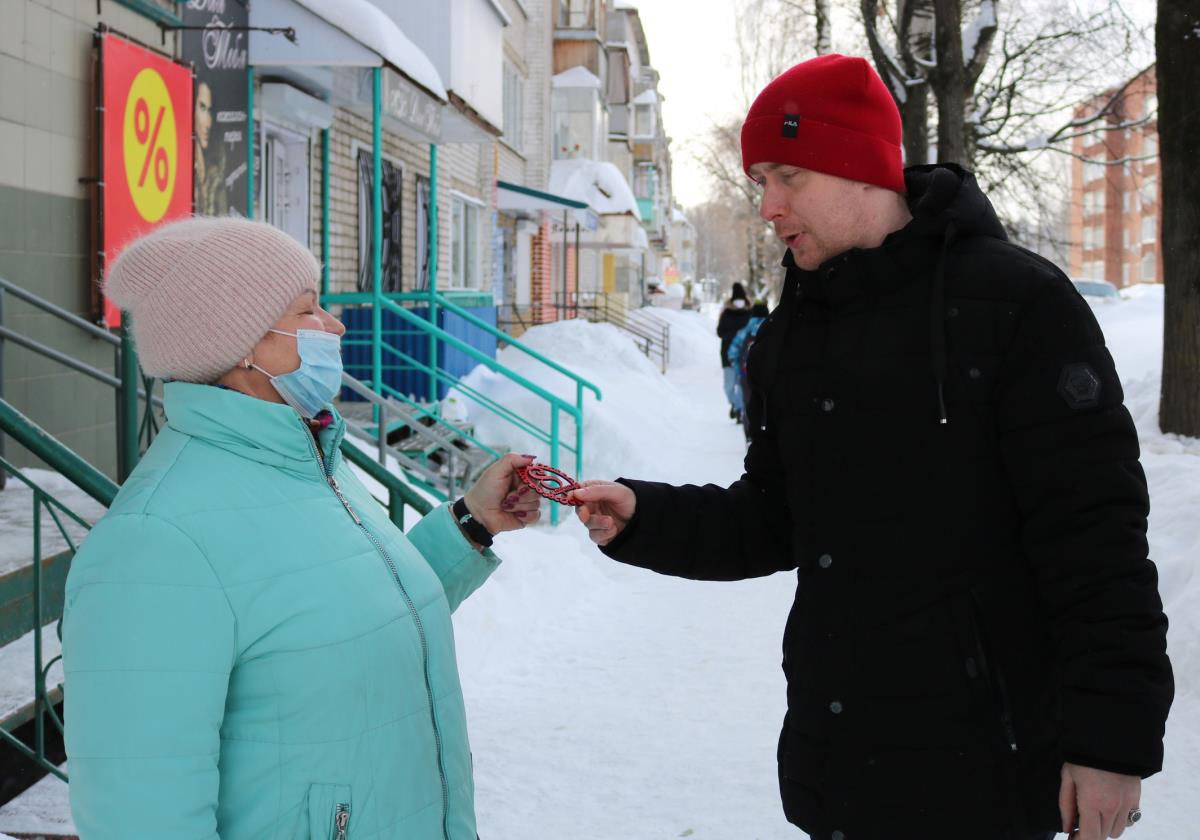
(393, 188)
(1125, 238)
(1150, 105)
(575, 14)
(464, 244)
(643, 181)
(576, 123)
(1092, 171)
(1125, 274)
(1125, 202)
(1149, 229)
(514, 111)
(1149, 192)
(1148, 266)
(643, 125)
(285, 179)
(1150, 147)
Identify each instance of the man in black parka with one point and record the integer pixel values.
(977, 648)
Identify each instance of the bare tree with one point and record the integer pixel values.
(1178, 126)
(1004, 97)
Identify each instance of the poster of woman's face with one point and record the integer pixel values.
(202, 119)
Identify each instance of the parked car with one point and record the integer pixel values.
(1098, 291)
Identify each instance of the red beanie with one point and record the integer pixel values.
(831, 114)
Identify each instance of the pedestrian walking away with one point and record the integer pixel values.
(940, 450)
(739, 351)
(733, 317)
(252, 649)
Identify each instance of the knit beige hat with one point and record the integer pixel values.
(204, 291)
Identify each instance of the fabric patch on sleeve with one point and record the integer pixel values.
(1079, 386)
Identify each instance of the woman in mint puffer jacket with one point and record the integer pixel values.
(252, 649)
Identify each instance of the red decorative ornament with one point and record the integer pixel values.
(549, 482)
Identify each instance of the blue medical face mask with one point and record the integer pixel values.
(316, 382)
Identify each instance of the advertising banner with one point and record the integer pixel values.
(147, 146)
(218, 55)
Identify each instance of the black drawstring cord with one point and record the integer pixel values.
(937, 316)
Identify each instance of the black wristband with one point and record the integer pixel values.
(474, 528)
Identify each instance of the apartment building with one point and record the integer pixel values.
(1116, 194)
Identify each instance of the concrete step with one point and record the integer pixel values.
(41, 813)
(17, 676)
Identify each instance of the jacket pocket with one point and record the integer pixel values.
(329, 812)
(988, 683)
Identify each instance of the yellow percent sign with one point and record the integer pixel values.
(150, 145)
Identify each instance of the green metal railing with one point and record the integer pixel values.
(101, 488)
(133, 435)
(551, 435)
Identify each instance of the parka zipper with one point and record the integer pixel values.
(416, 616)
(341, 820)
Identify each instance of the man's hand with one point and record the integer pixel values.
(1098, 801)
(606, 510)
(500, 500)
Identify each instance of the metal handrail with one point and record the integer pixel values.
(389, 406)
(97, 485)
(58, 312)
(557, 404)
(481, 398)
(56, 455)
(130, 433)
(512, 342)
(481, 357)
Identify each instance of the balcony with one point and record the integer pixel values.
(646, 208)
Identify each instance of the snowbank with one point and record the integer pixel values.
(1133, 331)
(644, 418)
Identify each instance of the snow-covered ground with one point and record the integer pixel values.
(608, 702)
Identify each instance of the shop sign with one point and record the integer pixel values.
(146, 146)
(217, 52)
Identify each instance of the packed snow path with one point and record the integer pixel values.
(609, 702)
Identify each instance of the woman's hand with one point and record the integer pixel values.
(500, 501)
(606, 510)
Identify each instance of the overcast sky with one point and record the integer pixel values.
(692, 46)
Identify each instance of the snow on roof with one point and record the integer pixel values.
(576, 77)
(372, 28)
(597, 182)
(646, 97)
(678, 216)
(624, 5)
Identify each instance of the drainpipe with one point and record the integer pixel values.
(250, 141)
(433, 267)
(559, 313)
(324, 211)
(575, 297)
(376, 236)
